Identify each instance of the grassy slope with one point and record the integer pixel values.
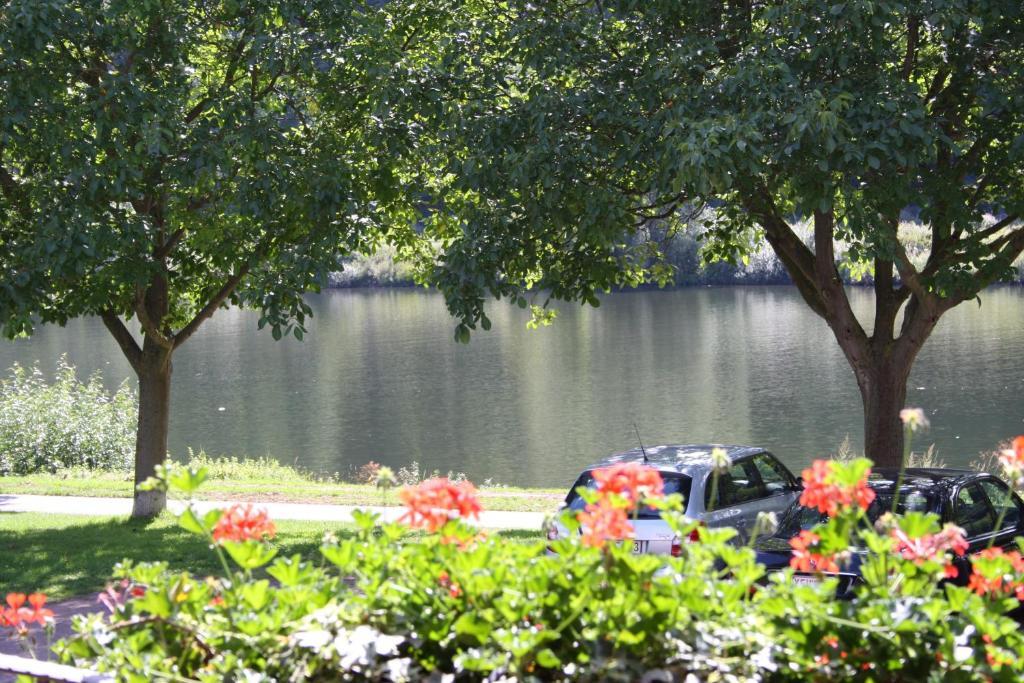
(68, 555)
(270, 489)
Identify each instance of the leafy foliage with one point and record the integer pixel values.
(64, 424)
(210, 146)
(583, 125)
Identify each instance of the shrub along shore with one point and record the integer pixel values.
(682, 251)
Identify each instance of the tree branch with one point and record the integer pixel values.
(995, 227)
(211, 306)
(794, 254)
(148, 325)
(164, 250)
(910, 58)
(229, 79)
(124, 339)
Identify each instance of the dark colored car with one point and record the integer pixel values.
(971, 500)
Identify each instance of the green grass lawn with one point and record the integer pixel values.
(70, 555)
(265, 480)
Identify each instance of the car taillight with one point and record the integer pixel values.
(677, 548)
(695, 534)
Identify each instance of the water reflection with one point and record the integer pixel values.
(380, 378)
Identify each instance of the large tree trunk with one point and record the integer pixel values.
(154, 419)
(884, 393)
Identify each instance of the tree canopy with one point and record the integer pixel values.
(580, 125)
(161, 159)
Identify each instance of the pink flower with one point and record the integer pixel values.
(931, 546)
(1012, 462)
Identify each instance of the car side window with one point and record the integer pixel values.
(1003, 503)
(973, 512)
(741, 483)
(775, 479)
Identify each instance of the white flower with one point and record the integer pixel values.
(720, 460)
(766, 524)
(914, 419)
(398, 669)
(313, 640)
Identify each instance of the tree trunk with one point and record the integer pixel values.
(154, 418)
(883, 392)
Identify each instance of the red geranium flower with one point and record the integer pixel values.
(632, 481)
(821, 491)
(16, 615)
(434, 502)
(997, 573)
(805, 559)
(604, 521)
(243, 523)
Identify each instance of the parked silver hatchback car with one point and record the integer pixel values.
(754, 481)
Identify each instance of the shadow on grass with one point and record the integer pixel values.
(77, 558)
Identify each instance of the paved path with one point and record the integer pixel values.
(116, 507)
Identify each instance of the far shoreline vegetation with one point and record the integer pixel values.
(682, 251)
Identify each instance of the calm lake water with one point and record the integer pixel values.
(380, 378)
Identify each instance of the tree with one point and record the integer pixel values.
(579, 125)
(165, 158)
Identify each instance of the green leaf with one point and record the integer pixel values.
(189, 522)
(470, 624)
(250, 555)
(256, 594)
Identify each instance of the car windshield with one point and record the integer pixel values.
(801, 518)
(674, 483)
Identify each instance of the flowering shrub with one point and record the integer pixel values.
(390, 605)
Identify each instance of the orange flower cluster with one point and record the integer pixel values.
(1012, 461)
(603, 522)
(805, 559)
(1003, 584)
(632, 481)
(432, 503)
(620, 489)
(932, 546)
(821, 491)
(17, 616)
(243, 523)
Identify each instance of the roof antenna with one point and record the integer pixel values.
(642, 449)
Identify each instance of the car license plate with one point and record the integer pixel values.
(640, 547)
(804, 580)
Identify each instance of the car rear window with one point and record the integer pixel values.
(674, 483)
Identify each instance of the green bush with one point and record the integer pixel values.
(387, 605)
(50, 427)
